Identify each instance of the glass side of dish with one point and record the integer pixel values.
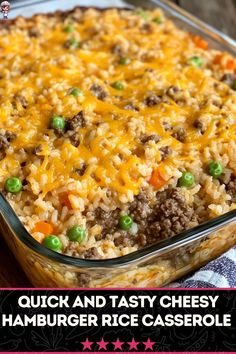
(128, 177)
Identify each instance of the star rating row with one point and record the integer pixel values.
(133, 345)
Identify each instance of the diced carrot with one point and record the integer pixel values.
(203, 44)
(200, 42)
(43, 227)
(217, 59)
(64, 200)
(230, 65)
(156, 180)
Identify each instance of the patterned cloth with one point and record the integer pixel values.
(220, 273)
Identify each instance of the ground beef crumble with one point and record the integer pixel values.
(228, 79)
(169, 216)
(5, 139)
(158, 216)
(2, 154)
(117, 49)
(153, 137)
(37, 149)
(71, 130)
(152, 100)
(78, 121)
(180, 135)
(98, 92)
(4, 143)
(124, 239)
(22, 100)
(231, 190)
(91, 253)
(165, 152)
(173, 92)
(131, 107)
(147, 28)
(198, 124)
(75, 139)
(166, 126)
(141, 208)
(80, 171)
(108, 221)
(175, 215)
(34, 32)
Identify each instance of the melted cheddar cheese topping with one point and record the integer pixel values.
(43, 58)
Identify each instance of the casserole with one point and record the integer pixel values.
(137, 268)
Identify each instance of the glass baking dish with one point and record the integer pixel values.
(153, 266)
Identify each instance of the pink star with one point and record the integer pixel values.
(102, 344)
(149, 344)
(117, 344)
(133, 344)
(87, 344)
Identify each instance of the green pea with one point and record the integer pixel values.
(158, 20)
(186, 180)
(73, 43)
(125, 222)
(118, 85)
(53, 243)
(215, 169)
(143, 14)
(13, 185)
(58, 122)
(234, 85)
(196, 61)
(76, 92)
(124, 61)
(68, 29)
(76, 234)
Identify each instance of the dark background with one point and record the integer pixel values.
(168, 339)
(219, 13)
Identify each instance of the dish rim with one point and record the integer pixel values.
(182, 239)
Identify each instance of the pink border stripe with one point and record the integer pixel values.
(122, 289)
(119, 352)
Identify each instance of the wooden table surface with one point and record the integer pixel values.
(219, 13)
